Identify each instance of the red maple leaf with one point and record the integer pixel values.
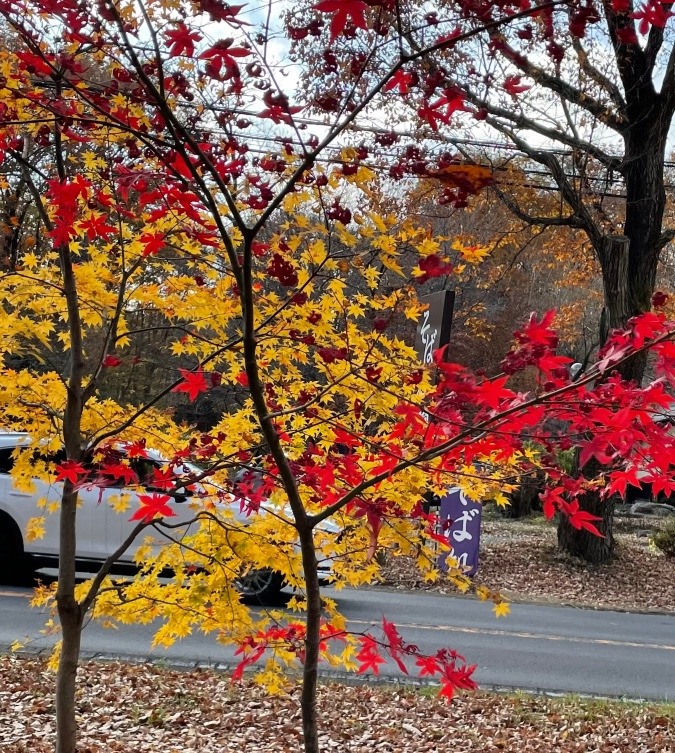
(64, 197)
(96, 227)
(513, 86)
(433, 266)
(620, 480)
(219, 10)
(153, 506)
(442, 109)
(193, 383)
(111, 361)
(401, 80)
(551, 501)
(182, 40)
(580, 519)
(428, 665)
(182, 168)
(247, 661)
(163, 478)
(278, 114)
(278, 108)
(396, 645)
(652, 14)
(119, 470)
(539, 331)
(492, 392)
(222, 55)
(70, 470)
(369, 656)
(330, 355)
(454, 678)
(37, 65)
(153, 243)
(627, 36)
(136, 449)
(346, 11)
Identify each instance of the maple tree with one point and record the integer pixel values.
(586, 92)
(171, 174)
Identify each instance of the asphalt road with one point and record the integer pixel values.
(553, 649)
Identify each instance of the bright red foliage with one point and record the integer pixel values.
(182, 40)
(119, 471)
(194, 383)
(653, 13)
(153, 506)
(70, 470)
(345, 12)
(369, 656)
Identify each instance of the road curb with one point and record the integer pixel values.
(327, 676)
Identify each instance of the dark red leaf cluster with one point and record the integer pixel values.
(282, 270)
(433, 266)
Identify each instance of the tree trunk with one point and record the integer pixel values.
(591, 548)
(71, 618)
(524, 497)
(614, 257)
(596, 550)
(310, 671)
(629, 265)
(66, 678)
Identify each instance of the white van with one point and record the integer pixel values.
(99, 529)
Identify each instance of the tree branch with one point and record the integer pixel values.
(562, 88)
(581, 215)
(611, 89)
(519, 120)
(631, 60)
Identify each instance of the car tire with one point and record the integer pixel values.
(14, 564)
(261, 586)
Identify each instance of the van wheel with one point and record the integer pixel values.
(261, 586)
(14, 564)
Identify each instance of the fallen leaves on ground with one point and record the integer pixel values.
(143, 709)
(521, 561)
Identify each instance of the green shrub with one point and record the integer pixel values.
(664, 540)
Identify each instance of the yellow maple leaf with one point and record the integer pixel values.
(53, 663)
(482, 593)
(390, 263)
(35, 528)
(119, 502)
(501, 609)
(472, 254)
(428, 246)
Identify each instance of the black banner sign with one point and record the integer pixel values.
(433, 328)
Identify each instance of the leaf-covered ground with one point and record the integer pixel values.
(138, 709)
(520, 559)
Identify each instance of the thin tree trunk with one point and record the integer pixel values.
(243, 275)
(310, 670)
(70, 616)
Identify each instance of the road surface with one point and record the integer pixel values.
(538, 648)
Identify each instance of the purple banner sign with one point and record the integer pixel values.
(459, 520)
